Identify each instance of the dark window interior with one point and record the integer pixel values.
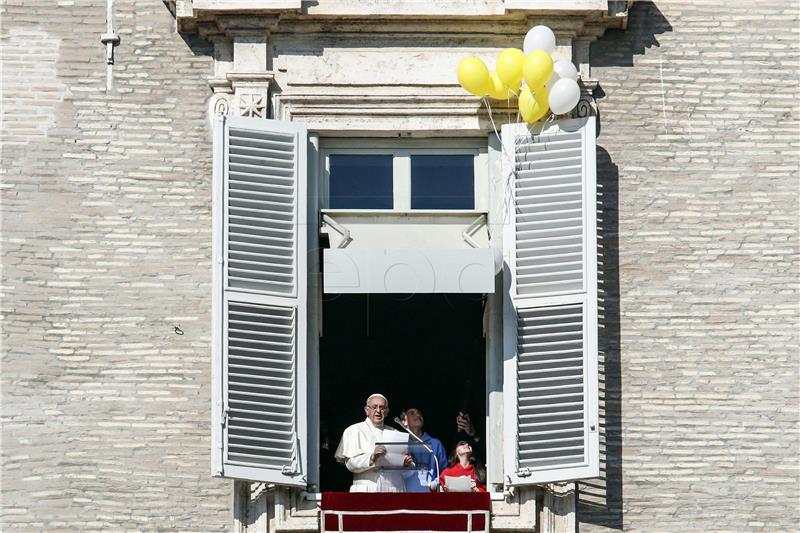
(442, 182)
(425, 351)
(360, 182)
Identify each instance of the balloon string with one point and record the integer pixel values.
(508, 192)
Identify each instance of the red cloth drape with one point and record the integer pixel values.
(379, 511)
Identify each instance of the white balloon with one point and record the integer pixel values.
(539, 38)
(565, 69)
(564, 96)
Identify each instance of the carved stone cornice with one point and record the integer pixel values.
(575, 17)
(318, 81)
(240, 79)
(220, 85)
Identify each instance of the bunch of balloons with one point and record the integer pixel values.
(548, 85)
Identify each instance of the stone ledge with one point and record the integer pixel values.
(195, 16)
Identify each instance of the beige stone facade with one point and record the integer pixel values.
(106, 242)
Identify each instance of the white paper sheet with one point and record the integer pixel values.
(396, 444)
(458, 484)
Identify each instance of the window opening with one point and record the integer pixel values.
(442, 182)
(360, 182)
(425, 351)
(369, 174)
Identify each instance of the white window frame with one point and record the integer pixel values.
(401, 151)
(404, 148)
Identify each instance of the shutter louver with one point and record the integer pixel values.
(550, 386)
(260, 283)
(261, 377)
(261, 211)
(550, 311)
(549, 229)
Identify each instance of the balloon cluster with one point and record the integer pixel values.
(549, 86)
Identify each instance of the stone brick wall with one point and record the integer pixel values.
(106, 249)
(698, 164)
(106, 271)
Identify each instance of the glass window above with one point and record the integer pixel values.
(442, 182)
(360, 182)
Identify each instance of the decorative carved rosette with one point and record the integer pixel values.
(253, 105)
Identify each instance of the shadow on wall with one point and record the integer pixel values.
(618, 47)
(600, 501)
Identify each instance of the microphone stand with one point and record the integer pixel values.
(435, 459)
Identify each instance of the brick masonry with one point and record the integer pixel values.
(698, 166)
(106, 251)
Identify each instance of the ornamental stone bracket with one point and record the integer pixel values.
(242, 78)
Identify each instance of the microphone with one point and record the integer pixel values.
(435, 459)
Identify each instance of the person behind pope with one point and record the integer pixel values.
(427, 474)
(359, 452)
(463, 464)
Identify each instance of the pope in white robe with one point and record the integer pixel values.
(358, 451)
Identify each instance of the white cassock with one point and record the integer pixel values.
(355, 449)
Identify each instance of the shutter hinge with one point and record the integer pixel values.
(524, 472)
(289, 470)
(225, 415)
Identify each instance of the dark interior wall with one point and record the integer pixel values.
(425, 351)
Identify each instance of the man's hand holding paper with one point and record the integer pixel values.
(395, 451)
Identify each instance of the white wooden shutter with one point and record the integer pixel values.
(550, 308)
(260, 285)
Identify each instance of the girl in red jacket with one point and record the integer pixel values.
(462, 463)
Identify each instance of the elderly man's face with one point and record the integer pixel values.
(376, 410)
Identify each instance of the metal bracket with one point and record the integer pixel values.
(524, 472)
(509, 489)
(341, 230)
(110, 40)
(472, 229)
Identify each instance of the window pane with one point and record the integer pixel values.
(360, 182)
(442, 182)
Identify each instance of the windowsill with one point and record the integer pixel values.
(317, 496)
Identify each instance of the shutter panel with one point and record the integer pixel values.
(550, 303)
(261, 211)
(260, 285)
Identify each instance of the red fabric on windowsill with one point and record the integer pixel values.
(387, 501)
(405, 511)
(404, 522)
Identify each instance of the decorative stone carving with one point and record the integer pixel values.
(241, 57)
(222, 106)
(253, 105)
(587, 107)
(558, 513)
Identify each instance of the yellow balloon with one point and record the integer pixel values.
(537, 68)
(533, 104)
(509, 67)
(540, 96)
(497, 89)
(473, 75)
(526, 104)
